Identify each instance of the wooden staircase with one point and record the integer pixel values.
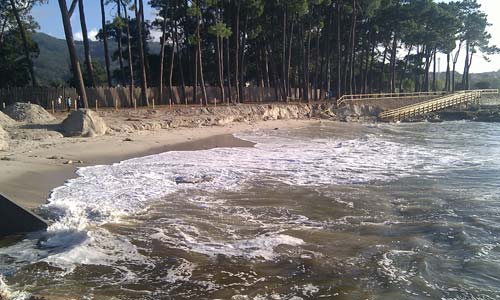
(433, 105)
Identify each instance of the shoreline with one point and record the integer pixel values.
(28, 177)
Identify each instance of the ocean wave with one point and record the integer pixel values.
(103, 195)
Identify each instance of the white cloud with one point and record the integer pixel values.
(156, 35)
(78, 36)
(93, 34)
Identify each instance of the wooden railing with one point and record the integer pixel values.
(439, 103)
(386, 96)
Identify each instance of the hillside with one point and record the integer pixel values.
(53, 65)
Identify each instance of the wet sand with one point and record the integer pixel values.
(28, 176)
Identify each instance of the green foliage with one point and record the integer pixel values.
(220, 30)
(13, 65)
(378, 42)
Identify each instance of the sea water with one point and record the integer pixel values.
(332, 211)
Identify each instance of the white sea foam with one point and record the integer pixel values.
(7, 293)
(259, 247)
(397, 266)
(107, 194)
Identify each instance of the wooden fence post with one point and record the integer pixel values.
(53, 108)
(96, 105)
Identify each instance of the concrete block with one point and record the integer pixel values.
(15, 219)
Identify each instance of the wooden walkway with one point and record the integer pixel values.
(425, 107)
(344, 100)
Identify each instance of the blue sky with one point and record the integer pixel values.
(49, 18)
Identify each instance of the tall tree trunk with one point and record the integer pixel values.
(228, 68)
(381, 79)
(394, 52)
(455, 60)
(370, 72)
(144, 42)
(339, 50)
(347, 60)
(306, 39)
(237, 52)
(434, 72)
(163, 42)
(328, 51)
(172, 62)
(75, 64)
(447, 81)
(283, 58)
(242, 71)
(144, 83)
(195, 85)
(129, 57)
(181, 67)
(428, 58)
(289, 63)
(261, 76)
(2, 31)
(268, 78)
(467, 81)
(86, 46)
(72, 8)
(200, 60)
(220, 68)
(317, 67)
(353, 48)
(24, 38)
(120, 46)
(106, 50)
(405, 68)
(466, 66)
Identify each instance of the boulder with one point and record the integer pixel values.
(29, 113)
(4, 137)
(6, 121)
(84, 122)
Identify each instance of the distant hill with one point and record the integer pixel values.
(53, 64)
(487, 80)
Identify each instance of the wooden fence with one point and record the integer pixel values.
(120, 97)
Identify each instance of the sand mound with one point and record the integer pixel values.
(85, 123)
(4, 136)
(29, 113)
(6, 120)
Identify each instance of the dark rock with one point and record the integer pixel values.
(192, 179)
(15, 219)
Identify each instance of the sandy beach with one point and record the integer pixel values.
(33, 166)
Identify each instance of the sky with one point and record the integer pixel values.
(49, 18)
